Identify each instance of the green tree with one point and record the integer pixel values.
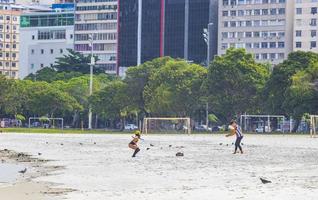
(234, 83)
(174, 89)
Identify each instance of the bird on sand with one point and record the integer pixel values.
(264, 181)
(23, 171)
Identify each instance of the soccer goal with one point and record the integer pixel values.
(313, 125)
(46, 122)
(166, 125)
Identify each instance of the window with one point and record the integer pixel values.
(249, 12)
(248, 34)
(281, 11)
(257, 23)
(248, 45)
(298, 33)
(298, 1)
(298, 22)
(313, 33)
(299, 11)
(33, 37)
(272, 56)
(298, 44)
(224, 46)
(233, 13)
(32, 51)
(225, 13)
(224, 34)
(256, 45)
(281, 56)
(248, 23)
(256, 34)
(257, 12)
(273, 11)
(226, 24)
(272, 45)
(42, 65)
(240, 13)
(313, 22)
(8, 17)
(61, 50)
(233, 23)
(313, 44)
(314, 10)
(264, 45)
(281, 44)
(42, 51)
(264, 56)
(264, 11)
(257, 56)
(52, 51)
(32, 66)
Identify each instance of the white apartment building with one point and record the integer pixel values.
(44, 37)
(305, 25)
(262, 27)
(97, 19)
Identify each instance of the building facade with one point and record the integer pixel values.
(44, 37)
(262, 27)
(9, 42)
(151, 28)
(97, 19)
(305, 25)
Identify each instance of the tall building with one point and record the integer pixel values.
(153, 28)
(44, 36)
(97, 19)
(306, 25)
(262, 27)
(9, 42)
(26, 2)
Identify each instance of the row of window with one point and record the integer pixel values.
(8, 36)
(312, 44)
(99, 7)
(96, 36)
(312, 22)
(269, 56)
(52, 35)
(299, 33)
(107, 66)
(254, 23)
(8, 17)
(8, 64)
(66, 19)
(96, 47)
(8, 45)
(11, 74)
(94, 1)
(246, 2)
(42, 51)
(255, 34)
(301, 1)
(96, 16)
(255, 45)
(255, 12)
(8, 27)
(95, 26)
(8, 55)
(313, 10)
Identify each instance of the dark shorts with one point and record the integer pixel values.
(132, 143)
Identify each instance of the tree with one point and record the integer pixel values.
(49, 74)
(112, 101)
(174, 89)
(279, 96)
(234, 83)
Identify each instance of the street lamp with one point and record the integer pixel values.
(92, 63)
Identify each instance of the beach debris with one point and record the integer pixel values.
(179, 154)
(147, 148)
(23, 171)
(62, 144)
(221, 144)
(170, 145)
(264, 181)
(94, 142)
(81, 143)
(39, 153)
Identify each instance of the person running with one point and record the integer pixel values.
(133, 144)
(236, 130)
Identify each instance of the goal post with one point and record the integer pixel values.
(313, 125)
(167, 125)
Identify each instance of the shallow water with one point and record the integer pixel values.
(9, 172)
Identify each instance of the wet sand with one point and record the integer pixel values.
(18, 174)
(100, 167)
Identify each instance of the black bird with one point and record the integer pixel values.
(170, 145)
(264, 181)
(221, 144)
(152, 145)
(81, 143)
(39, 154)
(62, 144)
(23, 171)
(147, 148)
(94, 142)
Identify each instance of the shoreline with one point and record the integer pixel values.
(25, 187)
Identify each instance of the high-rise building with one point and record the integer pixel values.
(26, 2)
(153, 28)
(96, 22)
(44, 36)
(306, 26)
(9, 42)
(262, 27)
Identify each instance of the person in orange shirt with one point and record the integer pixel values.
(235, 129)
(133, 144)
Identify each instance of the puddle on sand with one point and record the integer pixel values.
(9, 172)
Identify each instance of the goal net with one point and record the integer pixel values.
(313, 125)
(46, 122)
(167, 125)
